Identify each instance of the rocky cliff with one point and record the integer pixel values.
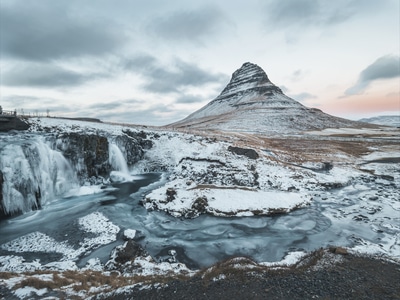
(252, 103)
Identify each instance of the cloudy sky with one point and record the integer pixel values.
(154, 62)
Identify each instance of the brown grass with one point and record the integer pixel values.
(84, 280)
(36, 283)
(307, 148)
(235, 267)
(7, 275)
(230, 267)
(216, 187)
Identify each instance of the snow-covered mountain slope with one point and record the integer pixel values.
(252, 103)
(384, 120)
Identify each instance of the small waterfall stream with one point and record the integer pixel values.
(117, 159)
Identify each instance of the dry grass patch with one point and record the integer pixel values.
(7, 275)
(85, 280)
(216, 187)
(237, 267)
(36, 283)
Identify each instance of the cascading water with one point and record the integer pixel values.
(117, 159)
(33, 173)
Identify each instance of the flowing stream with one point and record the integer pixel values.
(345, 217)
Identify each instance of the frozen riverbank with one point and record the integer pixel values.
(347, 196)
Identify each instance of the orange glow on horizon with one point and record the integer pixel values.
(362, 104)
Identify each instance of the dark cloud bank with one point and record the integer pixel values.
(37, 31)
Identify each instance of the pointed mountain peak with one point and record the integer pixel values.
(252, 103)
(249, 69)
(248, 76)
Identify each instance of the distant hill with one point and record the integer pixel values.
(252, 103)
(383, 120)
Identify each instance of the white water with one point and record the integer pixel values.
(33, 173)
(117, 159)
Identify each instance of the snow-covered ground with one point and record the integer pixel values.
(205, 177)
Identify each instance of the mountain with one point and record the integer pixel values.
(383, 120)
(252, 103)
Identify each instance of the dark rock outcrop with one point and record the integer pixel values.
(131, 147)
(141, 137)
(8, 123)
(250, 153)
(88, 153)
(123, 257)
(129, 251)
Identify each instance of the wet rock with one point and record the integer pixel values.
(90, 149)
(130, 147)
(360, 218)
(89, 153)
(128, 252)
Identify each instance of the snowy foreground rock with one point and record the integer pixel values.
(223, 201)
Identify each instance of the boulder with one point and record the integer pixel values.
(129, 251)
(250, 153)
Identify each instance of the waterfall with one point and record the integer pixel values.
(32, 173)
(117, 159)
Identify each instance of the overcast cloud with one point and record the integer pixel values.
(295, 13)
(168, 79)
(45, 75)
(157, 61)
(385, 67)
(44, 31)
(188, 25)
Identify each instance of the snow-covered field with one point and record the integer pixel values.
(358, 194)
